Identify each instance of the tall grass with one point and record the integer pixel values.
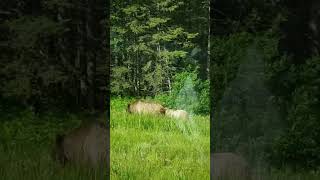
(157, 147)
(26, 143)
(286, 174)
(142, 147)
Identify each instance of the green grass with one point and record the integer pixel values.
(26, 143)
(157, 147)
(142, 147)
(33, 163)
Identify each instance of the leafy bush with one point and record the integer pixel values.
(299, 146)
(188, 93)
(245, 116)
(247, 74)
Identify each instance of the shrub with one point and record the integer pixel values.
(188, 93)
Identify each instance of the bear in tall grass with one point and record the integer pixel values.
(177, 114)
(229, 166)
(144, 107)
(86, 145)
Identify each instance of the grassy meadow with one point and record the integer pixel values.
(142, 147)
(157, 147)
(26, 143)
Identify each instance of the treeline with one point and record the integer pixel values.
(265, 81)
(54, 54)
(153, 41)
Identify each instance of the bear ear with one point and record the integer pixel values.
(163, 110)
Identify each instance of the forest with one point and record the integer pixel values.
(264, 85)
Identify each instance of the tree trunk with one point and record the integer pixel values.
(90, 70)
(78, 66)
(209, 41)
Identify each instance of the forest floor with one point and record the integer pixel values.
(157, 147)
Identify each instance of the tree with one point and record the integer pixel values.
(149, 47)
(50, 61)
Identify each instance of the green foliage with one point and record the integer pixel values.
(188, 93)
(245, 115)
(298, 147)
(44, 54)
(28, 66)
(264, 105)
(226, 55)
(149, 47)
(26, 127)
(31, 32)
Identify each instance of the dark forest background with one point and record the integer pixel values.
(265, 80)
(54, 54)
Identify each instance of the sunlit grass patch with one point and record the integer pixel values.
(158, 147)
